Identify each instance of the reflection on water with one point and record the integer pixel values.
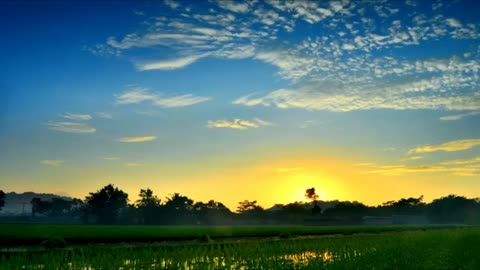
(305, 257)
(218, 262)
(212, 262)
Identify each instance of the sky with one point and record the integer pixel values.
(241, 100)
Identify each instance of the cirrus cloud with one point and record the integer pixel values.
(458, 116)
(169, 64)
(238, 123)
(71, 127)
(52, 162)
(76, 116)
(139, 95)
(137, 139)
(451, 146)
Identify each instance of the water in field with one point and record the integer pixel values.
(420, 250)
(217, 262)
(298, 259)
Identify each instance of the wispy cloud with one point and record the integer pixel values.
(76, 116)
(139, 95)
(238, 123)
(137, 139)
(402, 169)
(110, 158)
(412, 158)
(104, 115)
(52, 162)
(337, 97)
(71, 127)
(169, 64)
(452, 146)
(235, 6)
(307, 124)
(102, 50)
(461, 161)
(458, 116)
(342, 70)
(292, 67)
(396, 170)
(262, 122)
(138, 12)
(172, 4)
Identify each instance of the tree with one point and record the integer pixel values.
(2, 199)
(149, 206)
(179, 203)
(409, 206)
(353, 210)
(291, 213)
(147, 199)
(60, 207)
(251, 210)
(106, 204)
(247, 206)
(211, 212)
(312, 195)
(454, 209)
(40, 207)
(179, 208)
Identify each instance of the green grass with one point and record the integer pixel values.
(435, 249)
(28, 234)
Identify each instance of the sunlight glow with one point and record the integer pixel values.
(297, 183)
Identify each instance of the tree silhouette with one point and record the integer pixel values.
(106, 204)
(454, 209)
(179, 209)
(2, 199)
(149, 206)
(210, 212)
(40, 207)
(179, 202)
(353, 210)
(60, 206)
(247, 205)
(147, 199)
(251, 210)
(312, 195)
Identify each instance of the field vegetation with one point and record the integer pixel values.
(31, 234)
(424, 249)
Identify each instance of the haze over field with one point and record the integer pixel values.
(363, 100)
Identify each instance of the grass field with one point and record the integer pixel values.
(29, 234)
(430, 249)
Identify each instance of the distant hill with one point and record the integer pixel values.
(19, 203)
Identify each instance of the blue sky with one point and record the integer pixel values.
(208, 96)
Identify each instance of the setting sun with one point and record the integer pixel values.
(300, 182)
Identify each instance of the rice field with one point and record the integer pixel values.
(429, 249)
(31, 234)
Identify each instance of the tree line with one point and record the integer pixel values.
(110, 205)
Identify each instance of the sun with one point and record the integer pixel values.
(298, 183)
